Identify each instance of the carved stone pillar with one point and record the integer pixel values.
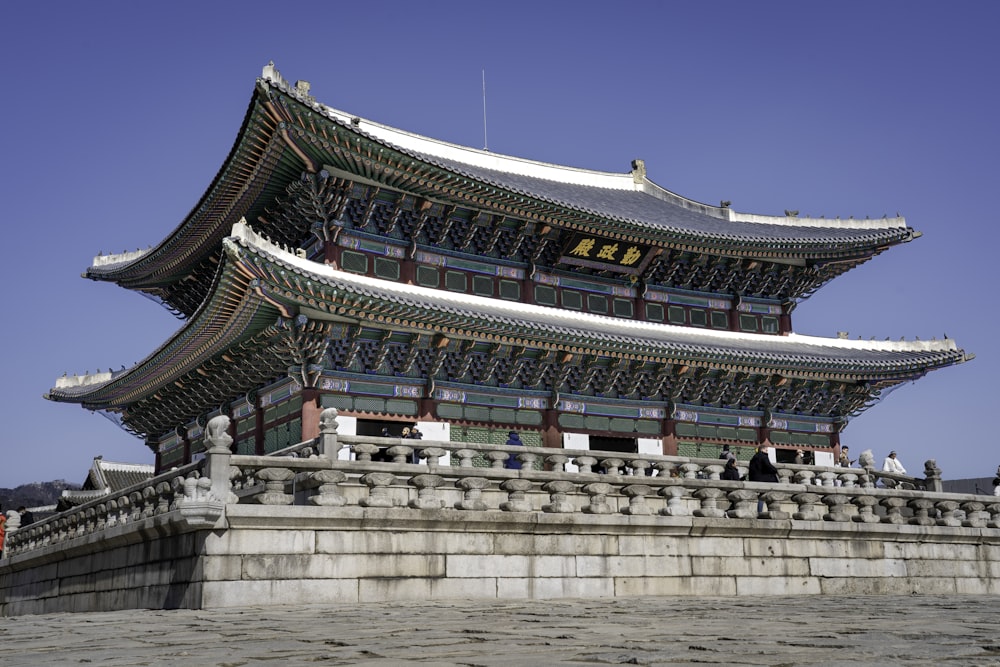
(947, 509)
(328, 493)
(473, 493)
(598, 492)
(427, 498)
(893, 510)
(612, 466)
(808, 507)
(400, 453)
(585, 463)
(637, 499)
(329, 447)
(558, 501)
(836, 503)
(274, 486)
(465, 457)
(744, 504)
(675, 501)
(496, 458)
(921, 512)
(516, 501)
(378, 484)
(557, 462)
(866, 509)
(975, 514)
(710, 499)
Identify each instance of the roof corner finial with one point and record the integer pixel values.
(638, 171)
(791, 214)
(302, 88)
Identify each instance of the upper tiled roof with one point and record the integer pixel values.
(278, 140)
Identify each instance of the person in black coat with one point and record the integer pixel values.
(760, 467)
(731, 472)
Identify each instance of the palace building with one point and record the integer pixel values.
(408, 282)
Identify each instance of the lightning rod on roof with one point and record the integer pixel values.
(486, 144)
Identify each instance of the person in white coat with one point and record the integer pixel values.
(892, 464)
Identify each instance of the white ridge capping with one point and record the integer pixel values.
(485, 159)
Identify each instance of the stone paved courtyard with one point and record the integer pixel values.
(801, 630)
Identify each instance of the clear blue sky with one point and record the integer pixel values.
(117, 115)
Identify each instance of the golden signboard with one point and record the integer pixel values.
(595, 251)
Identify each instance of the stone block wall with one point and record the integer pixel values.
(348, 556)
(150, 564)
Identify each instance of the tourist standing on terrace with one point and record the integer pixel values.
(845, 457)
(760, 467)
(731, 472)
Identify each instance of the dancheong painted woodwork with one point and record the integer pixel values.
(337, 262)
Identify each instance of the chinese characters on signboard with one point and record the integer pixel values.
(586, 250)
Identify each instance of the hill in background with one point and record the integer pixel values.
(35, 494)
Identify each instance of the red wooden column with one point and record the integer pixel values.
(311, 410)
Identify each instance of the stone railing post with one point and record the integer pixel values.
(893, 510)
(557, 462)
(217, 458)
(363, 451)
(785, 476)
(828, 478)
(771, 500)
(472, 488)
(598, 492)
(835, 504)
(328, 447)
(431, 455)
(427, 497)
(639, 467)
(866, 478)
(689, 470)
(664, 468)
(585, 463)
(637, 499)
(612, 466)
(710, 499)
(558, 490)
(328, 493)
(675, 501)
(744, 504)
(400, 453)
(516, 500)
(994, 511)
(808, 507)
(848, 480)
(932, 477)
(804, 477)
(948, 510)
(866, 509)
(527, 459)
(465, 457)
(975, 514)
(714, 471)
(496, 458)
(921, 512)
(378, 484)
(274, 486)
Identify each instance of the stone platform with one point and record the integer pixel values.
(796, 630)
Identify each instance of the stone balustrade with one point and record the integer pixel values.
(313, 474)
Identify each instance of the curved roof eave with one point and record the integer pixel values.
(616, 334)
